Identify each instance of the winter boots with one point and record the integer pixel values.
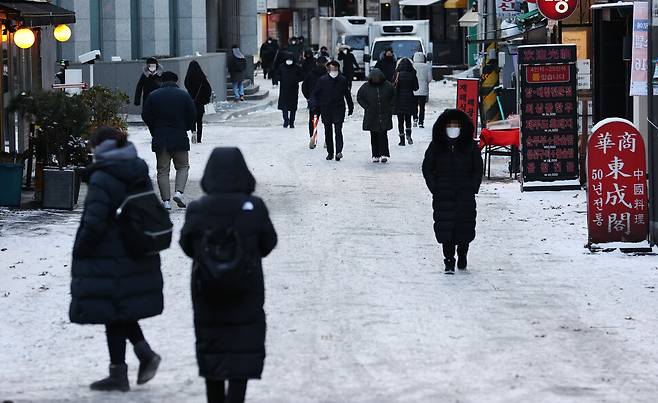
(148, 362)
(450, 266)
(408, 136)
(339, 156)
(461, 261)
(117, 381)
(409, 140)
(401, 143)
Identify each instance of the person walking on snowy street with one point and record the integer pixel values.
(267, 52)
(109, 285)
(308, 86)
(452, 169)
(237, 65)
(309, 62)
(324, 52)
(290, 74)
(330, 95)
(349, 64)
(386, 64)
(376, 98)
(229, 320)
(169, 113)
(405, 83)
(197, 85)
(149, 81)
(424, 75)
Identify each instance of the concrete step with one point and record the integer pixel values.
(246, 83)
(251, 97)
(247, 90)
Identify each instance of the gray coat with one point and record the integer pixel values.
(424, 74)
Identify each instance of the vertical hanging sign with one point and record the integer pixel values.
(467, 99)
(639, 49)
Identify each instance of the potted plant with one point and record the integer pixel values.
(106, 107)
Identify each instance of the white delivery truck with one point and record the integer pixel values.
(338, 32)
(405, 37)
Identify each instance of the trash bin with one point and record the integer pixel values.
(58, 189)
(11, 179)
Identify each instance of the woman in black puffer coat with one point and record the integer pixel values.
(230, 331)
(453, 172)
(109, 286)
(405, 83)
(376, 99)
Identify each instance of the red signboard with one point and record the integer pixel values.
(557, 9)
(559, 73)
(467, 99)
(617, 183)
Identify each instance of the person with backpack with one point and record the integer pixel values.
(376, 98)
(308, 86)
(110, 283)
(405, 83)
(237, 65)
(424, 75)
(197, 85)
(452, 169)
(290, 74)
(169, 113)
(149, 81)
(227, 232)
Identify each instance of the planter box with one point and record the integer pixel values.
(59, 186)
(11, 178)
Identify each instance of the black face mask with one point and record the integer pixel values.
(389, 57)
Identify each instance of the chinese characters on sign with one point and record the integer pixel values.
(640, 48)
(467, 99)
(617, 184)
(549, 129)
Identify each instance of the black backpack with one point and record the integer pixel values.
(143, 222)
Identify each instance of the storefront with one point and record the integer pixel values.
(652, 138)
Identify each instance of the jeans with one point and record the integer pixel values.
(379, 144)
(117, 333)
(238, 89)
(449, 250)
(402, 119)
(163, 165)
(420, 112)
(289, 118)
(215, 391)
(329, 137)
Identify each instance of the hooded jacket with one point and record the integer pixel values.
(376, 98)
(349, 64)
(312, 79)
(236, 64)
(148, 82)
(387, 66)
(169, 113)
(423, 73)
(453, 173)
(107, 283)
(267, 53)
(230, 334)
(405, 83)
(289, 78)
(308, 64)
(197, 85)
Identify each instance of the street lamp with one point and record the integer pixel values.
(62, 33)
(24, 38)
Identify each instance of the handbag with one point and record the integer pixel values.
(209, 108)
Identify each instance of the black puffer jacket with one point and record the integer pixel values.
(387, 66)
(330, 95)
(169, 113)
(405, 83)
(148, 82)
(289, 78)
(108, 285)
(312, 79)
(453, 173)
(230, 333)
(376, 98)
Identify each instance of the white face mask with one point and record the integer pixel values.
(289, 62)
(269, 41)
(333, 74)
(153, 67)
(453, 132)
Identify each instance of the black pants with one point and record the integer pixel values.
(266, 71)
(216, 393)
(420, 112)
(379, 144)
(329, 136)
(449, 250)
(289, 117)
(199, 122)
(402, 119)
(117, 333)
(349, 78)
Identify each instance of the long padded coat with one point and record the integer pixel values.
(376, 99)
(453, 173)
(230, 333)
(108, 284)
(405, 83)
(289, 77)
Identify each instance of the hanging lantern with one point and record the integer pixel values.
(62, 33)
(4, 33)
(24, 38)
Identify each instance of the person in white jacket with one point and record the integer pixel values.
(424, 74)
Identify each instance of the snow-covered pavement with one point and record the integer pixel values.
(358, 307)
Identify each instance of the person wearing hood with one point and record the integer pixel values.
(197, 85)
(169, 113)
(405, 83)
(290, 74)
(308, 63)
(229, 329)
(295, 48)
(424, 75)
(330, 95)
(386, 64)
(149, 81)
(237, 64)
(376, 98)
(452, 169)
(319, 70)
(279, 60)
(109, 285)
(267, 52)
(349, 64)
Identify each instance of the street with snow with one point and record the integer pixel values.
(358, 307)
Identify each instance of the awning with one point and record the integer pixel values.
(455, 4)
(470, 19)
(37, 13)
(418, 2)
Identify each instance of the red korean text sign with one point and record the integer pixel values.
(557, 9)
(467, 99)
(617, 208)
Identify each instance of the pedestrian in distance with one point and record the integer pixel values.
(324, 52)
(376, 98)
(349, 64)
(267, 52)
(290, 75)
(229, 320)
(197, 85)
(237, 65)
(405, 83)
(149, 81)
(279, 59)
(169, 113)
(387, 63)
(424, 75)
(308, 63)
(319, 70)
(330, 95)
(296, 49)
(452, 169)
(110, 285)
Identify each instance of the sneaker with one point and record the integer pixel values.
(311, 144)
(449, 266)
(421, 125)
(384, 159)
(375, 159)
(242, 98)
(409, 139)
(285, 125)
(330, 157)
(339, 156)
(415, 122)
(167, 205)
(461, 262)
(292, 125)
(178, 198)
(401, 143)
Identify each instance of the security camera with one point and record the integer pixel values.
(89, 57)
